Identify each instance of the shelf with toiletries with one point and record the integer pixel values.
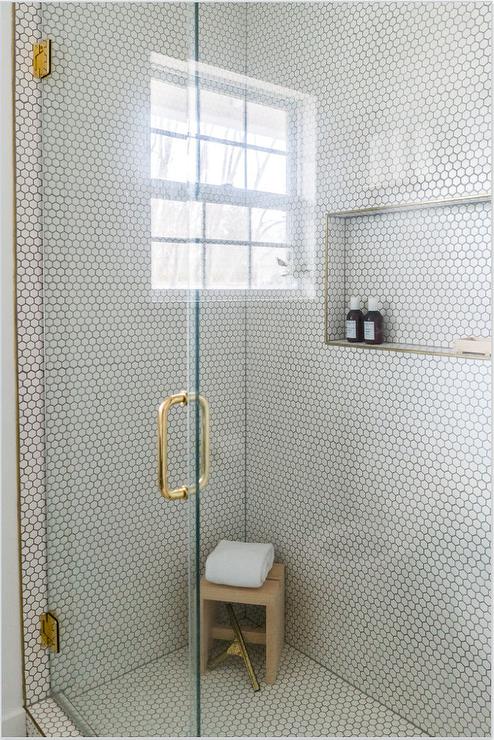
(424, 270)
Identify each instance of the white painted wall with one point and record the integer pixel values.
(13, 721)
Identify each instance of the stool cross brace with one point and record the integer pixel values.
(237, 647)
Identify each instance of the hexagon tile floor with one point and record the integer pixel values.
(307, 700)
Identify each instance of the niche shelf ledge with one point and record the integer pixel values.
(417, 349)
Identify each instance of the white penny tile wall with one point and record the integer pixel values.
(370, 471)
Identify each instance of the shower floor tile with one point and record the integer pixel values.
(307, 699)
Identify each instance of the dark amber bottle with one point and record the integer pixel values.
(373, 323)
(354, 327)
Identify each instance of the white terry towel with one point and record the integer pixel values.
(240, 563)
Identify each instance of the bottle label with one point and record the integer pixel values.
(369, 330)
(351, 330)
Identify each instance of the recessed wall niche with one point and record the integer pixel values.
(427, 263)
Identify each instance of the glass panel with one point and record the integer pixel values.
(222, 116)
(237, 146)
(222, 164)
(227, 266)
(170, 159)
(169, 107)
(266, 171)
(226, 222)
(163, 209)
(176, 266)
(271, 268)
(268, 225)
(267, 126)
(250, 193)
(120, 230)
(137, 217)
(176, 219)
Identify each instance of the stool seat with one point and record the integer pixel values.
(270, 595)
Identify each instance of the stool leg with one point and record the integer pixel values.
(274, 638)
(208, 609)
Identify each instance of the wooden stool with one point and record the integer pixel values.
(271, 595)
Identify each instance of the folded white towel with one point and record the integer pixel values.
(240, 563)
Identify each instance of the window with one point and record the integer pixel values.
(224, 169)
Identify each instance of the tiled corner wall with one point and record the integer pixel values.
(370, 471)
(109, 351)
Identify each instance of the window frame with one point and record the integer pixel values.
(250, 199)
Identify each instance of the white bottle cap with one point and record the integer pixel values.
(372, 304)
(354, 304)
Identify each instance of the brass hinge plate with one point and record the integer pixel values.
(42, 58)
(49, 632)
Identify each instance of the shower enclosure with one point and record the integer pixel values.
(190, 155)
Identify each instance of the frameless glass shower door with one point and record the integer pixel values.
(192, 156)
(177, 189)
(122, 550)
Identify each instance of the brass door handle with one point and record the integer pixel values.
(181, 399)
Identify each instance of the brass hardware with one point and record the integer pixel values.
(177, 493)
(181, 399)
(237, 647)
(42, 59)
(49, 632)
(412, 206)
(204, 458)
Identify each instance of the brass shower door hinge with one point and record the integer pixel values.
(42, 58)
(49, 630)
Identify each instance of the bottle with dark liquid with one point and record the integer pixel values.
(373, 323)
(354, 327)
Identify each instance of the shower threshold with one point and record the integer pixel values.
(306, 700)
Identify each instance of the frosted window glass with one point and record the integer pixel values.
(169, 107)
(227, 222)
(266, 171)
(176, 218)
(175, 265)
(227, 266)
(222, 164)
(271, 268)
(222, 116)
(268, 225)
(171, 159)
(267, 126)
